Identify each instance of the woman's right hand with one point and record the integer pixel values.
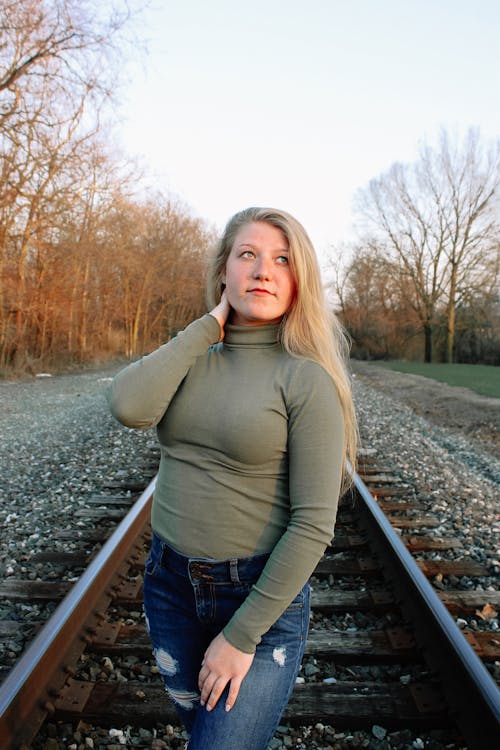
(221, 313)
(222, 664)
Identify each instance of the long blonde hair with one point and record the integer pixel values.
(309, 328)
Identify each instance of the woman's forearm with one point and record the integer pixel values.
(142, 391)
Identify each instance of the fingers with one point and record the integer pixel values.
(204, 672)
(213, 687)
(221, 312)
(234, 689)
(211, 690)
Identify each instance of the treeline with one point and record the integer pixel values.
(87, 270)
(422, 281)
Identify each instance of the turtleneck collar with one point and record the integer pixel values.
(252, 336)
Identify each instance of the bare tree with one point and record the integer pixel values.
(66, 45)
(373, 303)
(158, 268)
(85, 269)
(465, 180)
(59, 64)
(396, 209)
(438, 219)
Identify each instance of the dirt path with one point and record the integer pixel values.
(459, 409)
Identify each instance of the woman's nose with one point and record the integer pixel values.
(262, 269)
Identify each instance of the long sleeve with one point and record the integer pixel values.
(251, 460)
(142, 391)
(315, 449)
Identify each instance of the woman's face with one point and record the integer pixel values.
(259, 283)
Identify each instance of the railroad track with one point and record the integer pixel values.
(435, 675)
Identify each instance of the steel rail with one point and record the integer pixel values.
(26, 693)
(471, 692)
(469, 689)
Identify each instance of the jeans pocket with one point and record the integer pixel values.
(299, 601)
(295, 618)
(154, 558)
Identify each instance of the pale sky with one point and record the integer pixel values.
(296, 104)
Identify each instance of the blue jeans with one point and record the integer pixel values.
(187, 602)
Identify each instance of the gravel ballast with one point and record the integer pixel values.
(59, 446)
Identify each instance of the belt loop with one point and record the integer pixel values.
(233, 569)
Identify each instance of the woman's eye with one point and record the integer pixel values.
(283, 259)
(247, 254)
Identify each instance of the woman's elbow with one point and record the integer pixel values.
(128, 413)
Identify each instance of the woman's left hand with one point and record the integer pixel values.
(221, 664)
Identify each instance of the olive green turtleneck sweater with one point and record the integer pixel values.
(251, 445)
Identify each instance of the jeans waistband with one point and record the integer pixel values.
(234, 570)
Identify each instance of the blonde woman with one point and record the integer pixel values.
(255, 421)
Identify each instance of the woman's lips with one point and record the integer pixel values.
(260, 292)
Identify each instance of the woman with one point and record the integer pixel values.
(255, 421)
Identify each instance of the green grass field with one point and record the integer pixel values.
(483, 379)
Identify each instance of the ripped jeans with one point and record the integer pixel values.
(187, 602)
